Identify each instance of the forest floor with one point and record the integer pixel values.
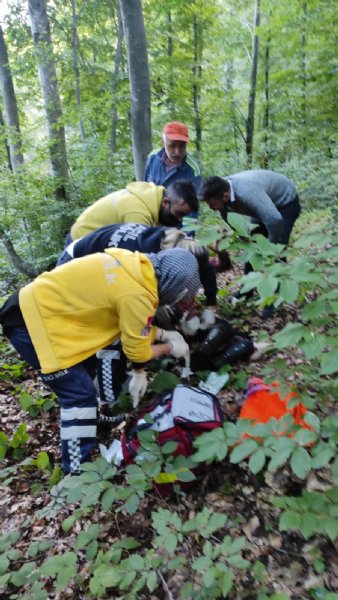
(284, 561)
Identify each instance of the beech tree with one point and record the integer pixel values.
(75, 45)
(253, 81)
(199, 59)
(4, 137)
(50, 92)
(133, 25)
(11, 115)
(117, 60)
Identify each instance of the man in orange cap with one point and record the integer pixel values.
(172, 162)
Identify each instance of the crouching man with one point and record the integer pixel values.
(60, 321)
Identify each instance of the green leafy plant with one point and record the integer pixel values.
(15, 444)
(33, 405)
(164, 380)
(211, 564)
(28, 572)
(313, 512)
(14, 370)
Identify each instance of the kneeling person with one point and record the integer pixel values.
(64, 317)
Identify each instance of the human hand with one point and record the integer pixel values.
(208, 318)
(171, 336)
(137, 386)
(190, 325)
(179, 348)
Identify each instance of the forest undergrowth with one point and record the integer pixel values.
(260, 522)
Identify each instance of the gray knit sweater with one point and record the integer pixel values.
(259, 194)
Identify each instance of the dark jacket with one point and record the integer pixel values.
(156, 172)
(134, 237)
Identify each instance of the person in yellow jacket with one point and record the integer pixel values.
(139, 202)
(62, 318)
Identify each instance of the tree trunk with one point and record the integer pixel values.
(50, 93)
(133, 25)
(303, 76)
(252, 94)
(17, 261)
(235, 125)
(266, 117)
(11, 115)
(170, 50)
(75, 45)
(3, 134)
(197, 75)
(117, 60)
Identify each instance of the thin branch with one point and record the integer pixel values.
(165, 587)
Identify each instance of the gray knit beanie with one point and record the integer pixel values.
(177, 275)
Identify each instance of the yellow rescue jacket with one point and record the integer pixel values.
(82, 306)
(139, 203)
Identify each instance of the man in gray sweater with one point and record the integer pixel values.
(269, 198)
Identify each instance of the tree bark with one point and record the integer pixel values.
(3, 133)
(235, 125)
(133, 25)
(11, 115)
(252, 94)
(197, 75)
(303, 72)
(17, 261)
(266, 116)
(50, 93)
(75, 46)
(170, 51)
(117, 60)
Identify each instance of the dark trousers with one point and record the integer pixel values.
(76, 393)
(290, 213)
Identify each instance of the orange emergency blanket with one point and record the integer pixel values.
(262, 404)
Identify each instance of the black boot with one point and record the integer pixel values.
(216, 339)
(239, 349)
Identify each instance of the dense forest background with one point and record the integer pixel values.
(86, 87)
(254, 80)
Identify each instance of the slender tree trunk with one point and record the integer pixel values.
(50, 92)
(17, 261)
(170, 50)
(252, 93)
(117, 60)
(75, 46)
(303, 71)
(266, 117)
(197, 76)
(11, 115)
(133, 25)
(230, 92)
(3, 134)
(15, 158)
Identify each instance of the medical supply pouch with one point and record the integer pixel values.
(177, 416)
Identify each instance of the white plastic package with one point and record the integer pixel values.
(214, 382)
